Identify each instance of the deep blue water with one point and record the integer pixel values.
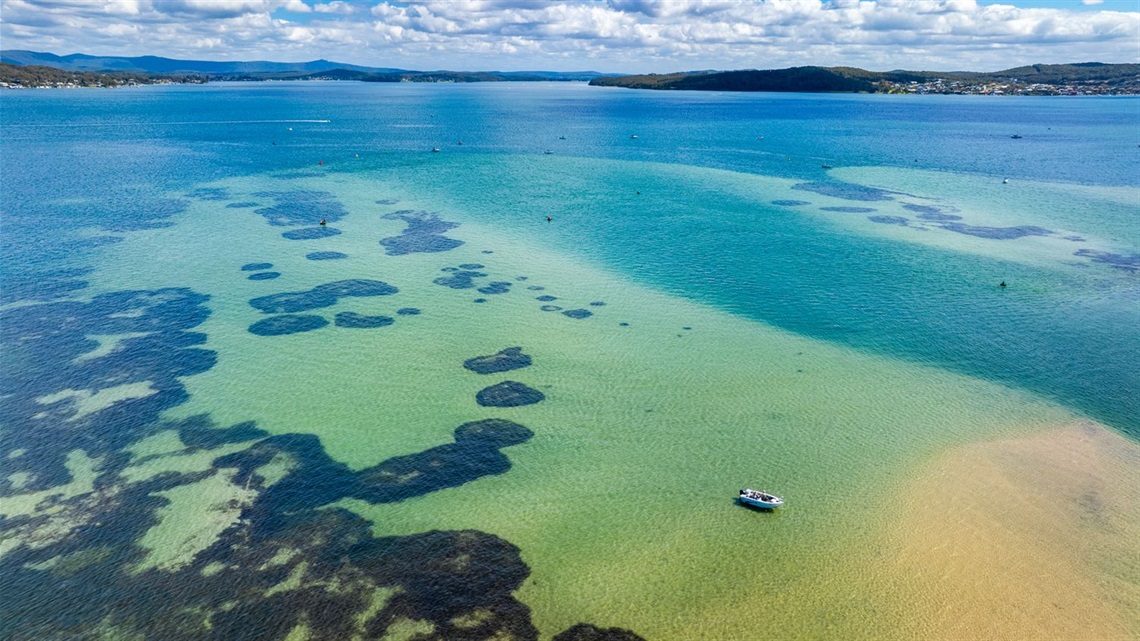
(104, 160)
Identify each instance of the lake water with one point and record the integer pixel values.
(223, 419)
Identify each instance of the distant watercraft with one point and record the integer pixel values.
(562, 137)
(634, 136)
(435, 150)
(826, 166)
(1015, 137)
(1005, 181)
(547, 152)
(756, 498)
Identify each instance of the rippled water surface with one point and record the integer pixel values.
(257, 380)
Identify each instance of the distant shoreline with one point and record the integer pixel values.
(1036, 80)
(167, 82)
(1079, 79)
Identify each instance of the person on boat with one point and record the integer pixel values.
(323, 222)
(549, 219)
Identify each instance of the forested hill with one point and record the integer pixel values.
(1094, 77)
(28, 76)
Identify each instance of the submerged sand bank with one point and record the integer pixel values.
(1027, 538)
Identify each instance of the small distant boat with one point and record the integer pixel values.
(826, 166)
(547, 152)
(1005, 181)
(756, 498)
(562, 137)
(1015, 137)
(633, 137)
(459, 143)
(435, 150)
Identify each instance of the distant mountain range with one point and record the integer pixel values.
(1106, 77)
(264, 70)
(32, 68)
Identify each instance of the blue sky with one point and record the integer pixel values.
(604, 35)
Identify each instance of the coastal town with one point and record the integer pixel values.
(960, 87)
(40, 77)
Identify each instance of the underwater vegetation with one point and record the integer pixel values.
(424, 234)
(275, 561)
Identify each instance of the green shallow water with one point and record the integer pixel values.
(622, 503)
(767, 322)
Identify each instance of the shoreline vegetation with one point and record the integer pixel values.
(29, 69)
(39, 77)
(1086, 78)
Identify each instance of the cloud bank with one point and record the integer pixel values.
(607, 35)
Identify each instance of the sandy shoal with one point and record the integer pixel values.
(1035, 537)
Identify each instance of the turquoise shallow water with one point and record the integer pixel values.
(745, 316)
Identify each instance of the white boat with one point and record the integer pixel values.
(756, 498)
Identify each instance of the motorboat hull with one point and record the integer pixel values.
(768, 505)
(762, 504)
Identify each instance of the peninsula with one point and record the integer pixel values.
(41, 77)
(1085, 78)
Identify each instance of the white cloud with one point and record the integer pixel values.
(213, 8)
(617, 35)
(1091, 2)
(334, 7)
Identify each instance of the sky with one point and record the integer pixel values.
(629, 36)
